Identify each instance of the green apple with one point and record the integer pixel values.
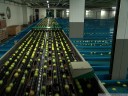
(31, 60)
(62, 66)
(114, 89)
(10, 68)
(37, 69)
(10, 59)
(23, 61)
(23, 78)
(41, 53)
(13, 54)
(66, 86)
(89, 85)
(64, 76)
(56, 94)
(18, 57)
(12, 65)
(44, 88)
(54, 71)
(7, 73)
(26, 72)
(36, 74)
(11, 84)
(68, 61)
(65, 52)
(26, 94)
(67, 57)
(38, 60)
(16, 75)
(55, 77)
(81, 91)
(60, 61)
(53, 60)
(44, 74)
(75, 60)
(79, 86)
(26, 57)
(15, 60)
(8, 89)
(32, 93)
(19, 70)
(28, 65)
(118, 82)
(1, 82)
(6, 63)
(124, 85)
(45, 61)
(45, 67)
(54, 65)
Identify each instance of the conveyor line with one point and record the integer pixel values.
(39, 64)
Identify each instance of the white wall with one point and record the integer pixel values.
(77, 10)
(16, 14)
(99, 14)
(24, 9)
(95, 14)
(42, 13)
(92, 14)
(29, 13)
(104, 14)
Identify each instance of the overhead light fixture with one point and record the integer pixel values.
(114, 13)
(103, 12)
(48, 5)
(47, 1)
(87, 11)
(67, 11)
(114, 8)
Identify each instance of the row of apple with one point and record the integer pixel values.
(48, 23)
(15, 71)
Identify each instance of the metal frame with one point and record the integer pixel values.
(114, 38)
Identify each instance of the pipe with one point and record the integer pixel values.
(59, 2)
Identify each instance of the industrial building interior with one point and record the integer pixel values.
(63, 47)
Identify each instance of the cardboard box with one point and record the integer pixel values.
(2, 24)
(1, 38)
(13, 30)
(3, 34)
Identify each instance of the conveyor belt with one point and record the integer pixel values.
(96, 45)
(39, 65)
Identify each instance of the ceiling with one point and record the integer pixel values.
(65, 3)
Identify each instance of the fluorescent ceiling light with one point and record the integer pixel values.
(113, 7)
(114, 13)
(47, 1)
(103, 12)
(87, 11)
(67, 11)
